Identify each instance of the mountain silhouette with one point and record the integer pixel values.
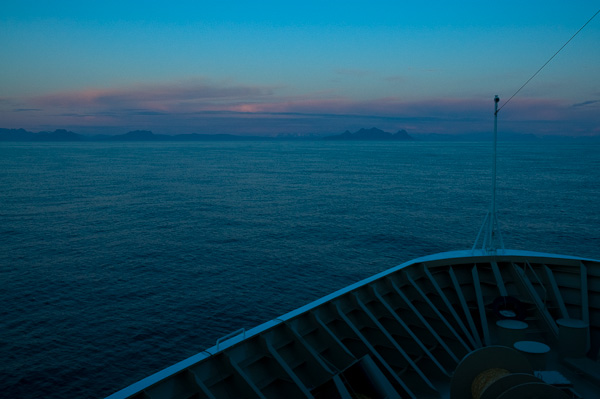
(372, 134)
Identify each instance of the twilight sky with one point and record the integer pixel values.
(272, 67)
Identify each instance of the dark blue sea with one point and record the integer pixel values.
(119, 259)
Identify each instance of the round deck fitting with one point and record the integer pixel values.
(573, 337)
(510, 331)
(534, 351)
(480, 360)
(502, 384)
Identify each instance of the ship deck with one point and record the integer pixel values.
(427, 328)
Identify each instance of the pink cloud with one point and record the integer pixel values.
(200, 96)
(192, 105)
(162, 97)
(389, 106)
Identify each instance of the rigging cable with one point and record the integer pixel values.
(547, 62)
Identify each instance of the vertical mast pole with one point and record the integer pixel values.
(490, 231)
(492, 221)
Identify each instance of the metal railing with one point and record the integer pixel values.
(231, 335)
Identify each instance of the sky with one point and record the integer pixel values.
(299, 68)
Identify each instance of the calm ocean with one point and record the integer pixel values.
(119, 259)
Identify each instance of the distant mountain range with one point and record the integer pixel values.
(145, 135)
(373, 134)
(136, 135)
(504, 137)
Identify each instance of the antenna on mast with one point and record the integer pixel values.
(492, 234)
(490, 226)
